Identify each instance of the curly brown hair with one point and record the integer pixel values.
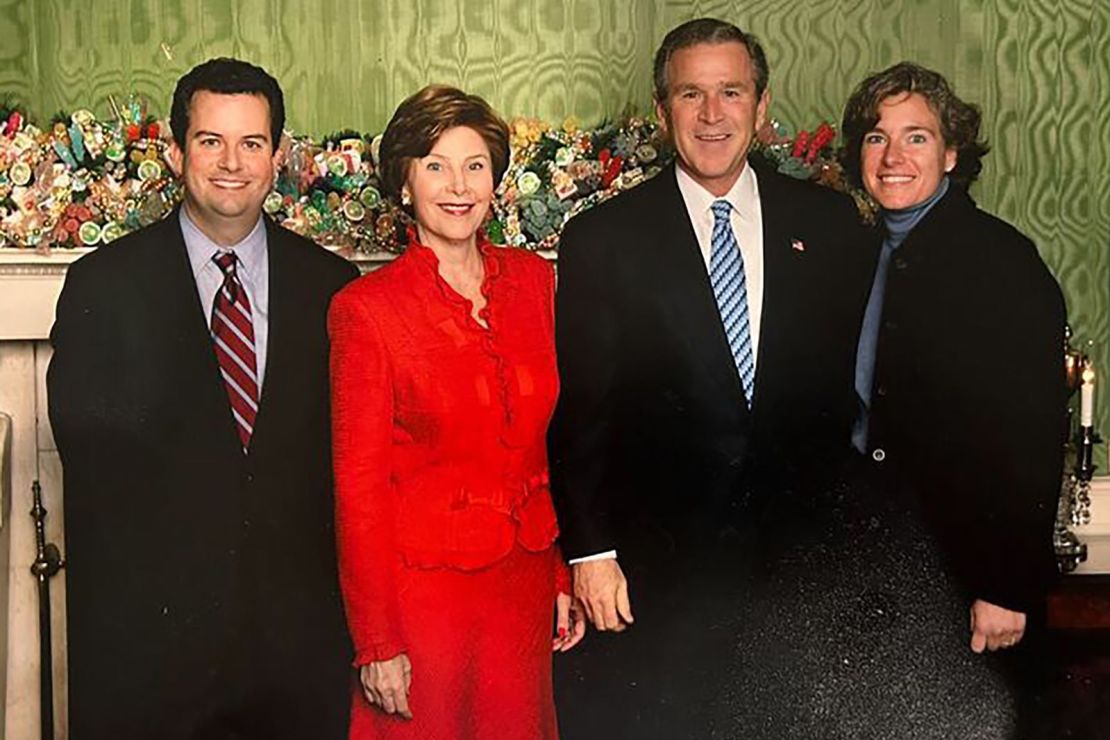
(959, 121)
(422, 118)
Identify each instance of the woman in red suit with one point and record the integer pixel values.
(443, 382)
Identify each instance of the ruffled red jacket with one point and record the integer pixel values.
(438, 427)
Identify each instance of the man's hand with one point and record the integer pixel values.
(386, 684)
(570, 622)
(603, 590)
(994, 627)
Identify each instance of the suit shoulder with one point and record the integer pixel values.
(127, 255)
(320, 260)
(1009, 253)
(806, 194)
(626, 208)
(999, 239)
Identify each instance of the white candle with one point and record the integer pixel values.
(1087, 398)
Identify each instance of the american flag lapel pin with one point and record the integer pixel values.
(797, 245)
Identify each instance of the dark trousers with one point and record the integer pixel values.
(662, 676)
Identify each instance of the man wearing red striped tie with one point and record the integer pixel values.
(188, 397)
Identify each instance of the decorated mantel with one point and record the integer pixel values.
(79, 183)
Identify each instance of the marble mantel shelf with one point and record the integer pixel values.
(30, 284)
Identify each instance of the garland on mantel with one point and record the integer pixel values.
(82, 181)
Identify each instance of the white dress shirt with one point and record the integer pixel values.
(253, 271)
(747, 225)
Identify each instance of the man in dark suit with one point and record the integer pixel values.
(189, 399)
(704, 350)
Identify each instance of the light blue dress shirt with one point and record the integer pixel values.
(253, 270)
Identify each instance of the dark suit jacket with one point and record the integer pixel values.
(969, 401)
(651, 423)
(202, 592)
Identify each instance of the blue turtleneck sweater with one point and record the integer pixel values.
(898, 224)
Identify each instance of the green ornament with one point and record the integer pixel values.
(149, 170)
(112, 230)
(20, 173)
(495, 230)
(115, 152)
(337, 165)
(564, 156)
(528, 183)
(273, 203)
(353, 210)
(370, 197)
(89, 233)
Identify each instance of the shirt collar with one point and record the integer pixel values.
(743, 195)
(251, 251)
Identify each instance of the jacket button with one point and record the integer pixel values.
(899, 263)
(878, 454)
(880, 391)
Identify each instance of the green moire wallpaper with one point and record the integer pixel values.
(1040, 69)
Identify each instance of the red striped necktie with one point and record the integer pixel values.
(233, 337)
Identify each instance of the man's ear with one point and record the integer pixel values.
(281, 147)
(661, 114)
(761, 109)
(176, 158)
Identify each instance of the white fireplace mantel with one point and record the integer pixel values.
(29, 288)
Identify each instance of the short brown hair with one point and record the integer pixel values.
(707, 31)
(422, 118)
(959, 121)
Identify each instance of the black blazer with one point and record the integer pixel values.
(969, 399)
(651, 420)
(201, 583)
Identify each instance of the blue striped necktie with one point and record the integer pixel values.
(726, 273)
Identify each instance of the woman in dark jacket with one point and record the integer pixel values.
(959, 367)
(882, 595)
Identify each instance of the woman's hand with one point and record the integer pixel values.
(386, 684)
(570, 623)
(995, 627)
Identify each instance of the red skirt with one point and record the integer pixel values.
(480, 647)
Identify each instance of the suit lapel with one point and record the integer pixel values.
(281, 335)
(776, 281)
(686, 292)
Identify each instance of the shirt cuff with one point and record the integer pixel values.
(607, 555)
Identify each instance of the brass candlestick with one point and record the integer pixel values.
(1074, 506)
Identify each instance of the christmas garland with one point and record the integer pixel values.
(82, 181)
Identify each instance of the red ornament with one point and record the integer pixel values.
(152, 130)
(801, 141)
(132, 131)
(611, 171)
(15, 122)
